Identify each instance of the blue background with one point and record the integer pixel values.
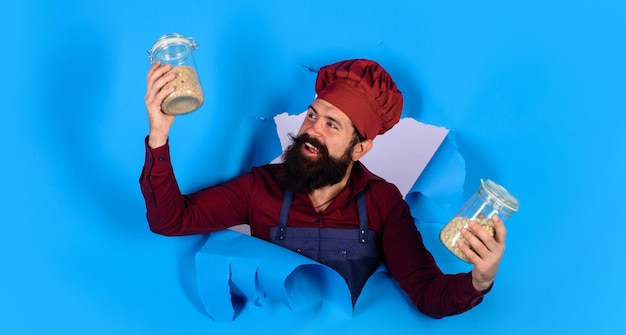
(533, 90)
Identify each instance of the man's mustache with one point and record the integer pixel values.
(304, 138)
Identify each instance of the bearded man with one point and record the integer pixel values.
(321, 201)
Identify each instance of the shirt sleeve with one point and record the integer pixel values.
(434, 293)
(171, 213)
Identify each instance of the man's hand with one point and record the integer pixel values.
(160, 122)
(484, 251)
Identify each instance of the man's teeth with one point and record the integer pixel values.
(310, 146)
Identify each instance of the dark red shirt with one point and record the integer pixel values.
(255, 198)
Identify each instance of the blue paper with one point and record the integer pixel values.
(232, 266)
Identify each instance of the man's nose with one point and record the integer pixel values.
(315, 130)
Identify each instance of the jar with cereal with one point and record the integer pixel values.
(489, 199)
(177, 49)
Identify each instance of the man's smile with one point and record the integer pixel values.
(310, 148)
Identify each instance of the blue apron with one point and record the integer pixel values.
(351, 252)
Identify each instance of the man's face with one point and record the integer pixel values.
(322, 152)
(329, 126)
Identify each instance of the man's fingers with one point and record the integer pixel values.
(498, 225)
(157, 79)
(153, 68)
(476, 236)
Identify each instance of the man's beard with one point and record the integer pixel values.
(302, 174)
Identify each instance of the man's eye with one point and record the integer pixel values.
(332, 125)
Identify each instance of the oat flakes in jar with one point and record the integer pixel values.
(489, 199)
(177, 49)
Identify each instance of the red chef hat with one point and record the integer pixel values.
(364, 91)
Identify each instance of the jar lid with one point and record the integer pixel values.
(171, 47)
(500, 194)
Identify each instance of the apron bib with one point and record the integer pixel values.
(350, 252)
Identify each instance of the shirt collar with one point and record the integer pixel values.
(360, 176)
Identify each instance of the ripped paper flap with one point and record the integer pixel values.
(232, 266)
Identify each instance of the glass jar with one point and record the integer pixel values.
(177, 49)
(490, 199)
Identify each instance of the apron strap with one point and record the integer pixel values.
(363, 220)
(284, 214)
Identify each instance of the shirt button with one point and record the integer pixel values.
(160, 158)
(318, 220)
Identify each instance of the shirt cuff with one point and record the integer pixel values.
(473, 296)
(156, 160)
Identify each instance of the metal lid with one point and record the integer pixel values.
(171, 47)
(500, 194)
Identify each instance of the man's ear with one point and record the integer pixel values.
(361, 148)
